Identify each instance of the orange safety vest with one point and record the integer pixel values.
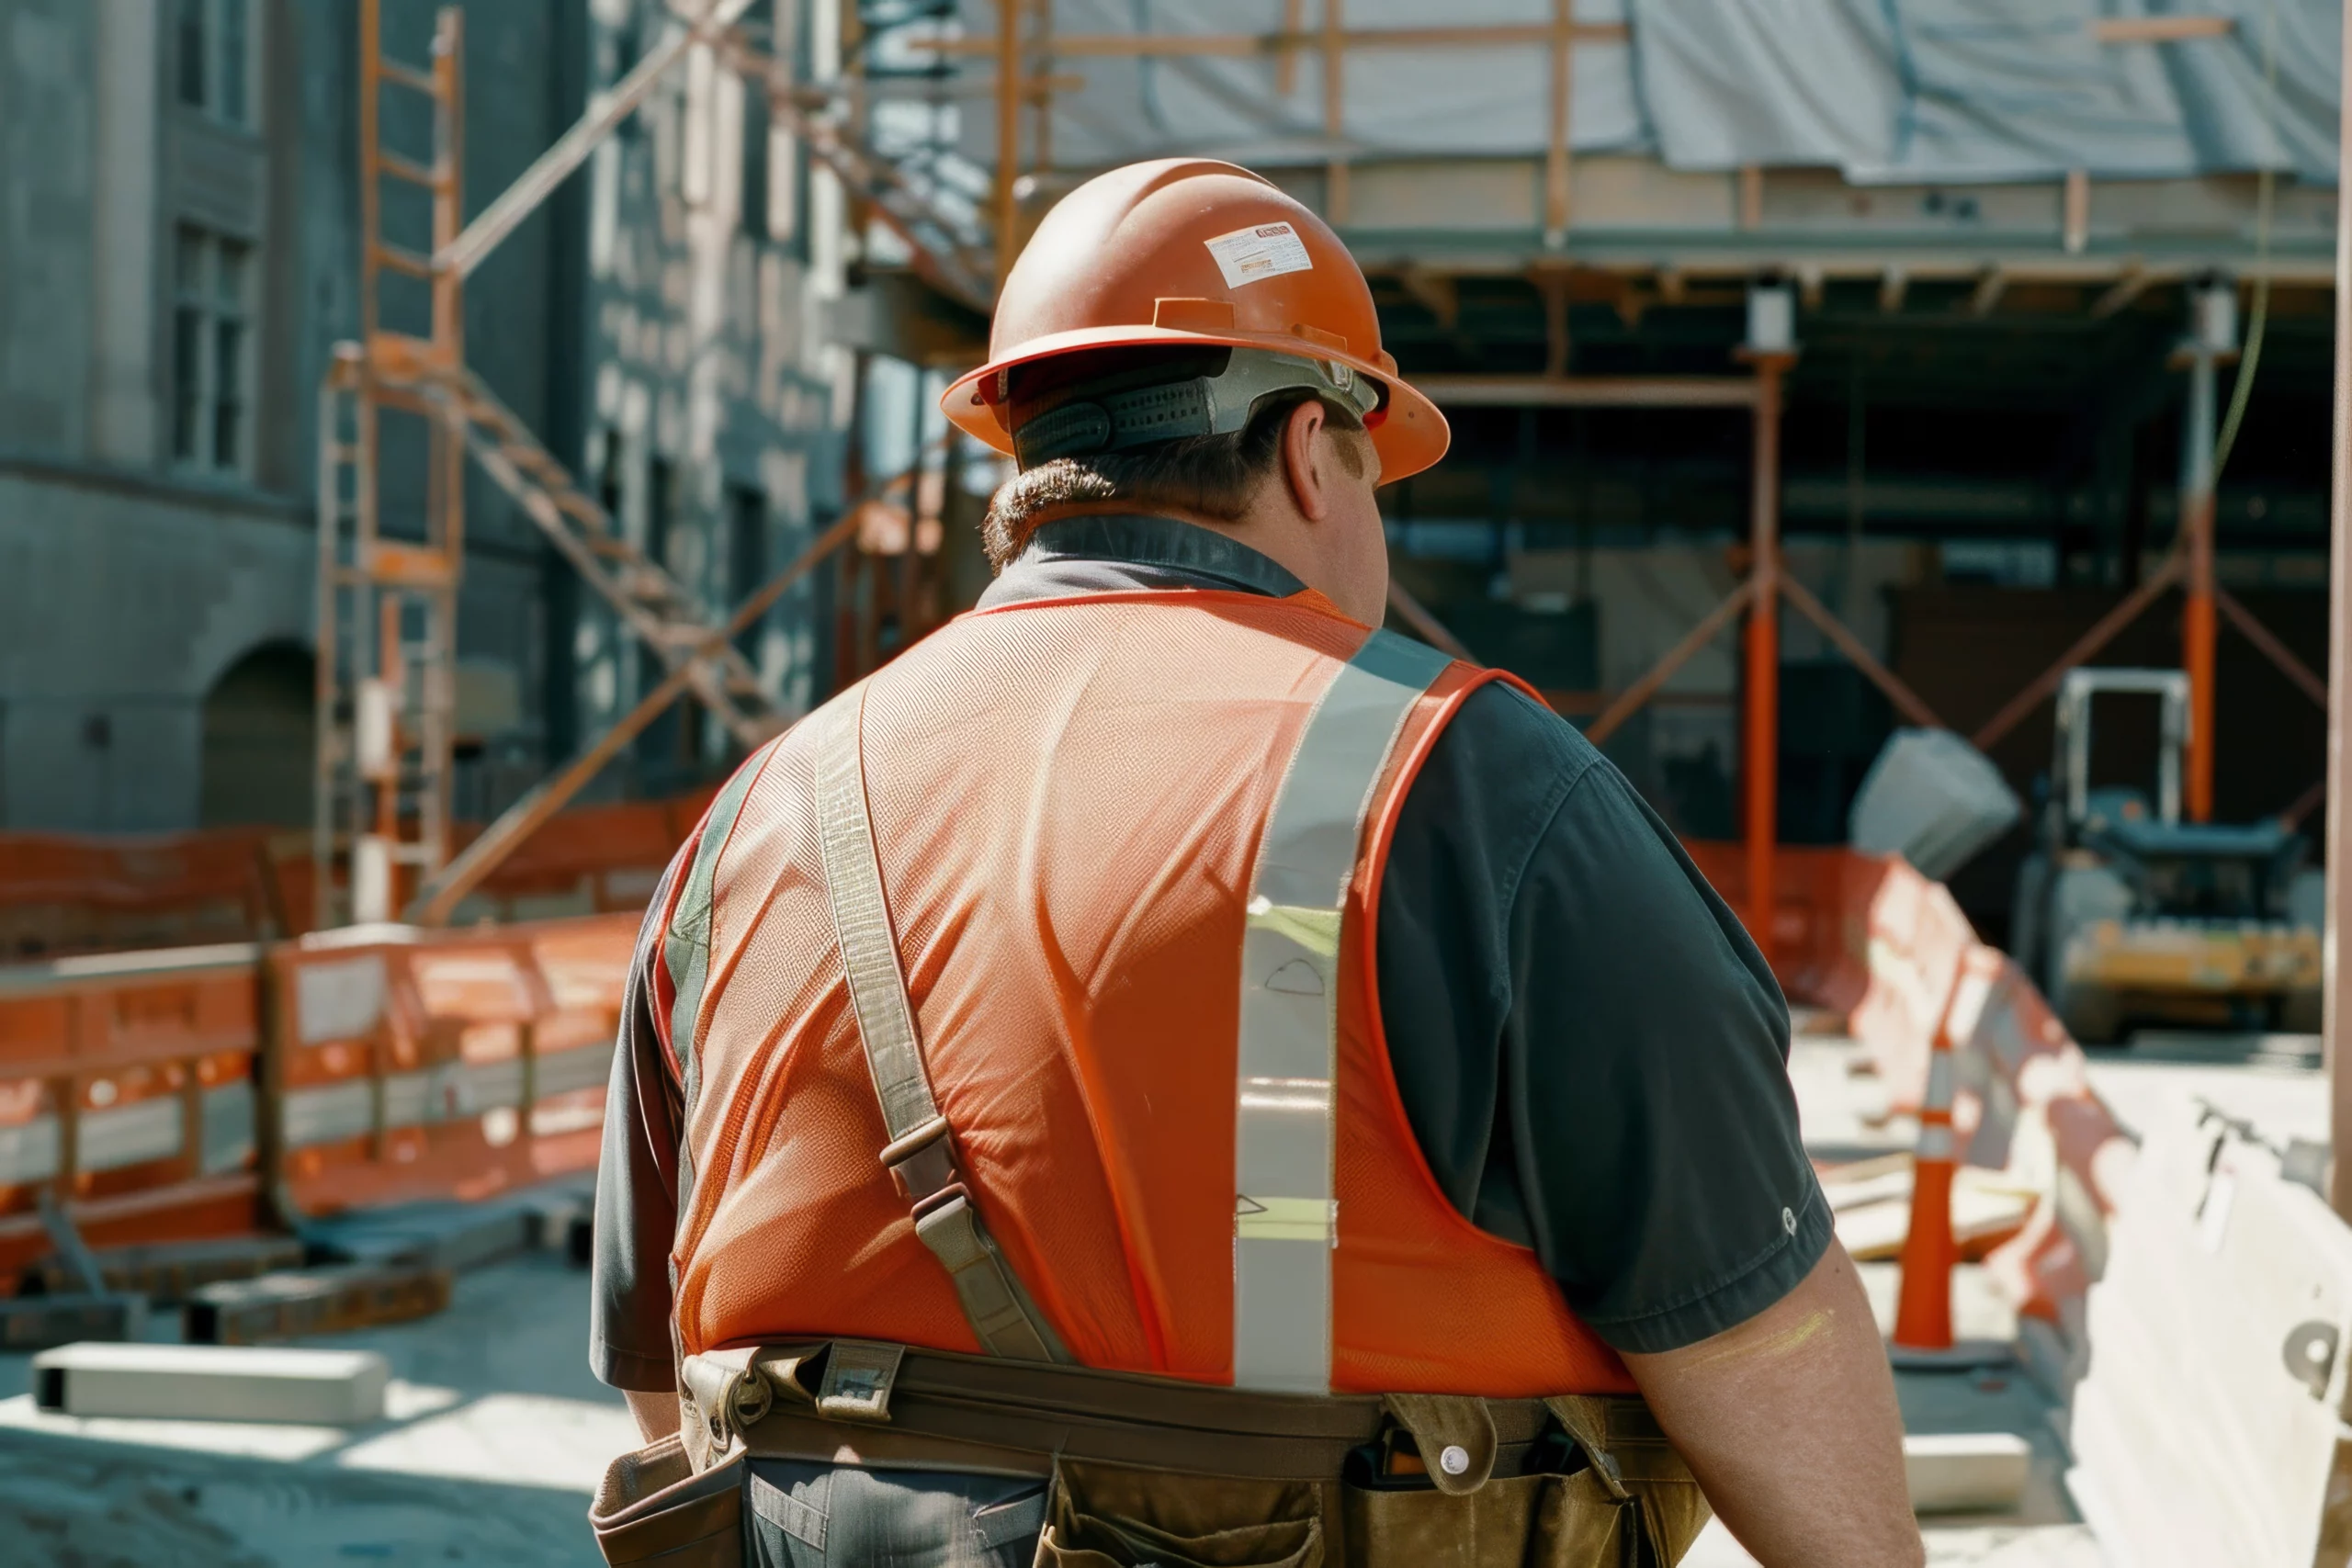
(1071, 802)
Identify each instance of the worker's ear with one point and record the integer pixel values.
(1310, 466)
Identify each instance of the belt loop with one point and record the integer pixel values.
(859, 1375)
(1586, 1419)
(1456, 1433)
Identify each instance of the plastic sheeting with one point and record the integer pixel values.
(1884, 91)
(1987, 90)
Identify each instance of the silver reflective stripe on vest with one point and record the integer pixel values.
(1285, 1216)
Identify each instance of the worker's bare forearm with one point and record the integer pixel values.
(657, 1414)
(1789, 1421)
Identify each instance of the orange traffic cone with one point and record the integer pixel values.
(1923, 1312)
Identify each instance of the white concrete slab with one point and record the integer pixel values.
(280, 1383)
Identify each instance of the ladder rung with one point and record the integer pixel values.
(408, 76)
(408, 169)
(399, 260)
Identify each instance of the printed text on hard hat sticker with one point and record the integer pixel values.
(1257, 253)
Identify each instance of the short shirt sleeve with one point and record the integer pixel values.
(1592, 1051)
(637, 1174)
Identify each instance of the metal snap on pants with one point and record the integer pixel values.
(803, 1514)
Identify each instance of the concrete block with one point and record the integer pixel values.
(169, 1272)
(1966, 1473)
(332, 1300)
(214, 1383)
(32, 1323)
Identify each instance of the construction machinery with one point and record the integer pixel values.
(2127, 914)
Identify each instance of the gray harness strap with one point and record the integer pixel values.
(920, 1156)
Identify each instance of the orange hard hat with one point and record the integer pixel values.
(1189, 253)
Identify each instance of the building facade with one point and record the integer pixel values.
(180, 224)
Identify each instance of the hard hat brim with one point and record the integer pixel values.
(1410, 435)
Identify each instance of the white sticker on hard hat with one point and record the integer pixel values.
(1259, 252)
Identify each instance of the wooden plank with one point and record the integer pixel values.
(1138, 46)
(2160, 29)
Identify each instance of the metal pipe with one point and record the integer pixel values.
(2090, 643)
(2197, 622)
(1590, 392)
(2339, 685)
(1631, 699)
(1760, 775)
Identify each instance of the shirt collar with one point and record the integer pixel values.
(1106, 554)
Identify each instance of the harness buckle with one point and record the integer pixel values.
(922, 1164)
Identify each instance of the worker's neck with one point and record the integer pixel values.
(1277, 531)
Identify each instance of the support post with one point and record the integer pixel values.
(2198, 624)
(2335, 1024)
(1760, 778)
(1009, 89)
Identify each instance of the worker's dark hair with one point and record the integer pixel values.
(1213, 476)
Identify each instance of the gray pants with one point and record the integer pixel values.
(837, 1515)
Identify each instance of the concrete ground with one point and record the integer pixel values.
(497, 1434)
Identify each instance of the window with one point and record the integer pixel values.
(747, 554)
(212, 349)
(214, 44)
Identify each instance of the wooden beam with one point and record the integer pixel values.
(1630, 701)
(1008, 136)
(1434, 292)
(1556, 151)
(2121, 293)
(2078, 224)
(1286, 63)
(2160, 29)
(1426, 626)
(1552, 284)
(552, 167)
(1989, 289)
(1335, 103)
(1751, 196)
(1130, 46)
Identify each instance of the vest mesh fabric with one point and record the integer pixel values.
(1068, 798)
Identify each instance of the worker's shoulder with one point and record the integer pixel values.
(1508, 739)
(1500, 773)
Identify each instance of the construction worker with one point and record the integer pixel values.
(1166, 1073)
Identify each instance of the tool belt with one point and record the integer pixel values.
(1150, 1471)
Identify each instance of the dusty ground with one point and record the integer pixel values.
(497, 1436)
(497, 1432)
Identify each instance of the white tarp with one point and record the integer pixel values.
(1928, 91)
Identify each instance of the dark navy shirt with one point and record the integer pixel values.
(1592, 1051)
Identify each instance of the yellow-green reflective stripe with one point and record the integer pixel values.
(1285, 1219)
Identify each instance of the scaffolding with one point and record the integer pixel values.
(386, 606)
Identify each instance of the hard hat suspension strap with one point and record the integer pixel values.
(1086, 420)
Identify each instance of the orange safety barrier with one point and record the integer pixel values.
(127, 1087)
(63, 894)
(1870, 938)
(442, 1064)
